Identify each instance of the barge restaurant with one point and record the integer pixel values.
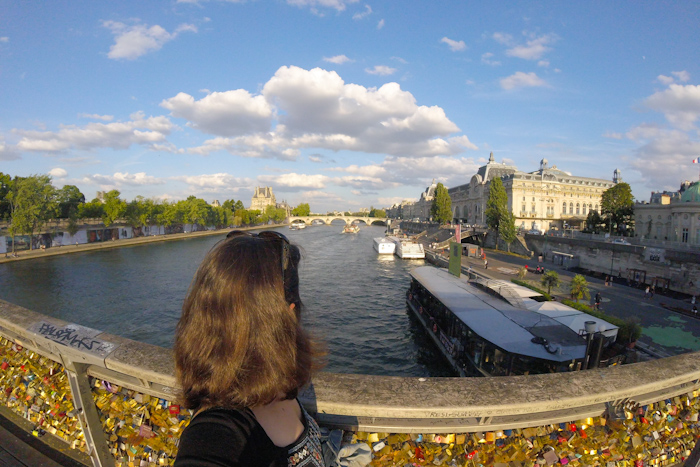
(495, 328)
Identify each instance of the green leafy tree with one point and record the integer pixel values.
(377, 212)
(33, 202)
(302, 209)
(506, 229)
(5, 207)
(170, 214)
(197, 211)
(550, 279)
(441, 209)
(594, 222)
(238, 205)
(91, 210)
(579, 288)
(114, 208)
(617, 206)
(69, 199)
(496, 206)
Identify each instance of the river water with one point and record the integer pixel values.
(355, 299)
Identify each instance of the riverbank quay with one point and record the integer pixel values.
(113, 401)
(85, 247)
(665, 331)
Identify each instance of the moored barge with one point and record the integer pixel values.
(496, 328)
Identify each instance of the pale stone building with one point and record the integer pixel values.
(262, 198)
(672, 216)
(414, 209)
(546, 198)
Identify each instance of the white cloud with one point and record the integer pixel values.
(58, 172)
(680, 104)
(134, 41)
(521, 79)
(338, 59)
(104, 118)
(227, 113)
(455, 46)
(543, 63)
(612, 135)
(364, 14)
(215, 181)
(381, 70)
(683, 76)
(117, 135)
(4, 39)
(8, 153)
(534, 47)
(123, 179)
(503, 38)
(294, 180)
(665, 79)
(380, 24)
(486, 58)
(338, 5)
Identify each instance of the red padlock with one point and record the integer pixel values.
(4, 365)
(174, 409)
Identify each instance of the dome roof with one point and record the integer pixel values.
(691, 194)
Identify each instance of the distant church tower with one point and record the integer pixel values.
(617, 176)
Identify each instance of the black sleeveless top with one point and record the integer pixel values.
(233, 438)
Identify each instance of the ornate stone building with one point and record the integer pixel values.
(540, 200)
(414, 209)
(262, 198)
(672, 216)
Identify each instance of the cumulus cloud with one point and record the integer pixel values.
(227, 113)
(288, 181)
(534, 48)
(123, 179)
(680, 104)
(117, 135)
(215, 181)
(8, 153)
(380, 24)
(131, 42)
(665, 79)
(338, 59)
(314, 5)
(104, 118)
(486, 58)
(4, 39)
(543, 63)
(455, 46)
(381, 70)
(682, 76)
(521, 80)
(58, 172)
(364, 14)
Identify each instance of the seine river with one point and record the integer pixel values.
(354, 298)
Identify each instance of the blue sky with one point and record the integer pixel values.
(344, 104)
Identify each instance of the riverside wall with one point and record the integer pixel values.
(111, 401)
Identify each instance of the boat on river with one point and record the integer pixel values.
(496, 328)
(384, 246)
(408, 248)
(351, 228)
(297, 225)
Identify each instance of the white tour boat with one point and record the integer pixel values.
(351, 228)
(384, 246)
(407, 248)
(297, 225)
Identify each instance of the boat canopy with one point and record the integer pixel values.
(508, 327)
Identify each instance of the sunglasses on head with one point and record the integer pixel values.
(267, 235)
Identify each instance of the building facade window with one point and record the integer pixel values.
(563, 208)
(578, 208)
(684, 238)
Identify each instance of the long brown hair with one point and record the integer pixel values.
(239, 343)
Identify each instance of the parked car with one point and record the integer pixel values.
(535, 232)
(621, 241)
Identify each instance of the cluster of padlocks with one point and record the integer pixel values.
(143, 430)
(139, 428)
(659, 434)
(37, 388)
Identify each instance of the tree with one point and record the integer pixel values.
(5, 208)
(33, 202)
(579, 288)
(302, 209)
(617, 205)
(441, 210)
(506, 229)
(550, 279)
(69, 199)
(496, 206)
(594, 222)
(114, 208)
(90, 210)
(379, 212)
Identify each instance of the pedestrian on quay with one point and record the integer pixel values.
(242, 355)
(607, 280)
(692, 300)
(486, 264)
(598, 299)
(646, 292)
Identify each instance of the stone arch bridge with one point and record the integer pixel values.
(347, 219)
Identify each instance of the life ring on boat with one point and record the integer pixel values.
(410, 296)
(434, 327)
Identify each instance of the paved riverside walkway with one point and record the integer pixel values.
(665, 332)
